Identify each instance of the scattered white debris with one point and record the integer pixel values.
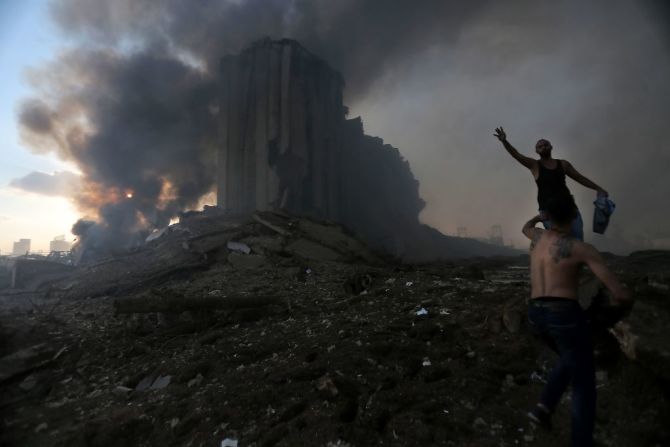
(229, 442)
(156, 234)
(535, 376)
(195, 381)
(238, 246)
(161, 382)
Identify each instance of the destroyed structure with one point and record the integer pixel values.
(286, 143)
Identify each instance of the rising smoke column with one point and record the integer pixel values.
(587, 72)
(133, 103)
(138, 126)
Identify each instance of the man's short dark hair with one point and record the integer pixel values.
(561, 209)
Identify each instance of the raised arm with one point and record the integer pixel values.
(597, 265)
(571, 172)
(526, 161)
(529, 229)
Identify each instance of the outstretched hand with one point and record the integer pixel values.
(500, 134)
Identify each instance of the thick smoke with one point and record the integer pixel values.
(139, 127)
(133, 101)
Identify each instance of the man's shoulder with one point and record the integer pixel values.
(581, 248)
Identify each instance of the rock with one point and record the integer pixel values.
(145, 383)
(511, 318)
(161, 382)
(196, 381)
(644, 336)
(480, 424)
(121, 390)
(357, 283)
(333, 236)
(25, 360)
(247, 262)
(327, 387)
(238, 247)
(28, 383)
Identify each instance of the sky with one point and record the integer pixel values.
(27, 39)
(432, 78)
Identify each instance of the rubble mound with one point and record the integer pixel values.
(275, 330)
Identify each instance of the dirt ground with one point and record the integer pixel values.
(351, 355)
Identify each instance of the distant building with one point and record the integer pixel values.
(21, 247)
(59, 244)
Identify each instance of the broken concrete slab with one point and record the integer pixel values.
(239, 247)
(333, 236)
(25, 360)
(311, 250)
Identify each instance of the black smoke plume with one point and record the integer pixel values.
(133, 102)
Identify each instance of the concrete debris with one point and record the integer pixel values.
(238, 246)
(160, 382)
(229, 442)
(308, 249)
(299, 351)
(357, 284)
(156, 234)
(28, 383)
(25, 360)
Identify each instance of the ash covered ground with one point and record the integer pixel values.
(278, 330)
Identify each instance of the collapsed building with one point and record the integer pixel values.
(286, 142)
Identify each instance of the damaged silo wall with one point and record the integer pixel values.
(286, 143)
(281, 118)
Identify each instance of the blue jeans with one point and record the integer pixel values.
(563, 325)
(576, 228)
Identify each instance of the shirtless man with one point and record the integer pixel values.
(554, 313)
(549, 175)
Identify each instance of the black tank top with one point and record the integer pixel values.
(550, 182)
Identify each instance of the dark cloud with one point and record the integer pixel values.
(60, 183)
(362, 39)
(590, 77)
(130, 103)
(36, 116)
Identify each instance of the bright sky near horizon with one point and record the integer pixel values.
(27, 39)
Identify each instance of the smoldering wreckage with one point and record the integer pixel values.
(309, 308)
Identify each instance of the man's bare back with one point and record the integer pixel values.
(555, 261)
(553, 264)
